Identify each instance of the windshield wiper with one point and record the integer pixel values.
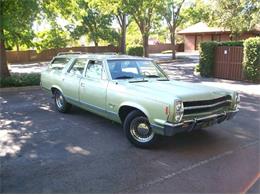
(152, 76)
(124, 77)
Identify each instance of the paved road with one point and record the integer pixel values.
(43, 151)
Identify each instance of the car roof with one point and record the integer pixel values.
(102, 56)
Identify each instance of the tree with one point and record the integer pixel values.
(94, 24)
(235, 15)
(52, 38)
(118, 9)
(143, 13)
(16, 20)
(170, 11)
(133, 35)
(195, 12)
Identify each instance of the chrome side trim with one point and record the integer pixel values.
(92, 107)
(206, 106)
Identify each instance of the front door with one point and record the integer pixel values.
(93, 87)
(71, 80)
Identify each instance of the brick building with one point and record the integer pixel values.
(200, 32)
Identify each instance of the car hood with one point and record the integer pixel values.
(176, 89)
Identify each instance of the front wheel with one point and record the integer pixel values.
(60, 103)
(138, 130)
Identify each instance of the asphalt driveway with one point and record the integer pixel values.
(43, 151)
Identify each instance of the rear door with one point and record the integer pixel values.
(71, 79)
(93, 87)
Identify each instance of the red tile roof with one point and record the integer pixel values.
(202, 27)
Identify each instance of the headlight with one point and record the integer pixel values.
(179, 109)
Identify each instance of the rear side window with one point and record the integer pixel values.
(78, 66)
(59, 63)
(95, 70)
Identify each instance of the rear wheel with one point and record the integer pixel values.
(60, 103)
(138, 130)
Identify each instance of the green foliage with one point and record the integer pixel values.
(17, 19)
(170, 11)
(52, 38)
(94, 24)
(144, 14)
(251, 61)
(135, 51)
(197, 68)
(18, 80)
(133, 35)
(231, 43)
(197, 11)
(207, 56)
(235, 15)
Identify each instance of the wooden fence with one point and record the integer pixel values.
(228, 62)
(46, 55)
(158, 48)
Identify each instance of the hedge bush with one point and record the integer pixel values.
(18, 80)
(207, 56)
(135, 51)
(231, 43)
(251, 61)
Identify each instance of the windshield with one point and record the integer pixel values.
(129, 69)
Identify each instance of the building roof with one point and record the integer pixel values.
(202, 27)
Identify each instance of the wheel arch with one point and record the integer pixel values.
(55, 87)
(127, 107)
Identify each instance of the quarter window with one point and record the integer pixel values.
(78, 67)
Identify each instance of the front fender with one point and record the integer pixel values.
(57, 87)
(135, 105)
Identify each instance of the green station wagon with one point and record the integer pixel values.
(137, 93)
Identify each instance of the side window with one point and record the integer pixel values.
(78, 67)
(95, 70)
(59, 63)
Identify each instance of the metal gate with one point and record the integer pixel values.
(228, 62)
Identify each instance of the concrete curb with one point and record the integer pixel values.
(17, 89)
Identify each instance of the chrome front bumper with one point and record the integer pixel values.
(196, 123)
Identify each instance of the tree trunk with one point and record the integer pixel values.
(123, 35)
(17, 47)
(145, 44)
(173, 45)
(4, 72)
(96, 46)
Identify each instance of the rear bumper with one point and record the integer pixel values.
(170, 129)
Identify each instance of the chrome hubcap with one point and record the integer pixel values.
(59, 100)
(141, 131)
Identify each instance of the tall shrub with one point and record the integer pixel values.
(251, 61)
(207, 56)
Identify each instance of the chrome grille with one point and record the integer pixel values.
(193, 107)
